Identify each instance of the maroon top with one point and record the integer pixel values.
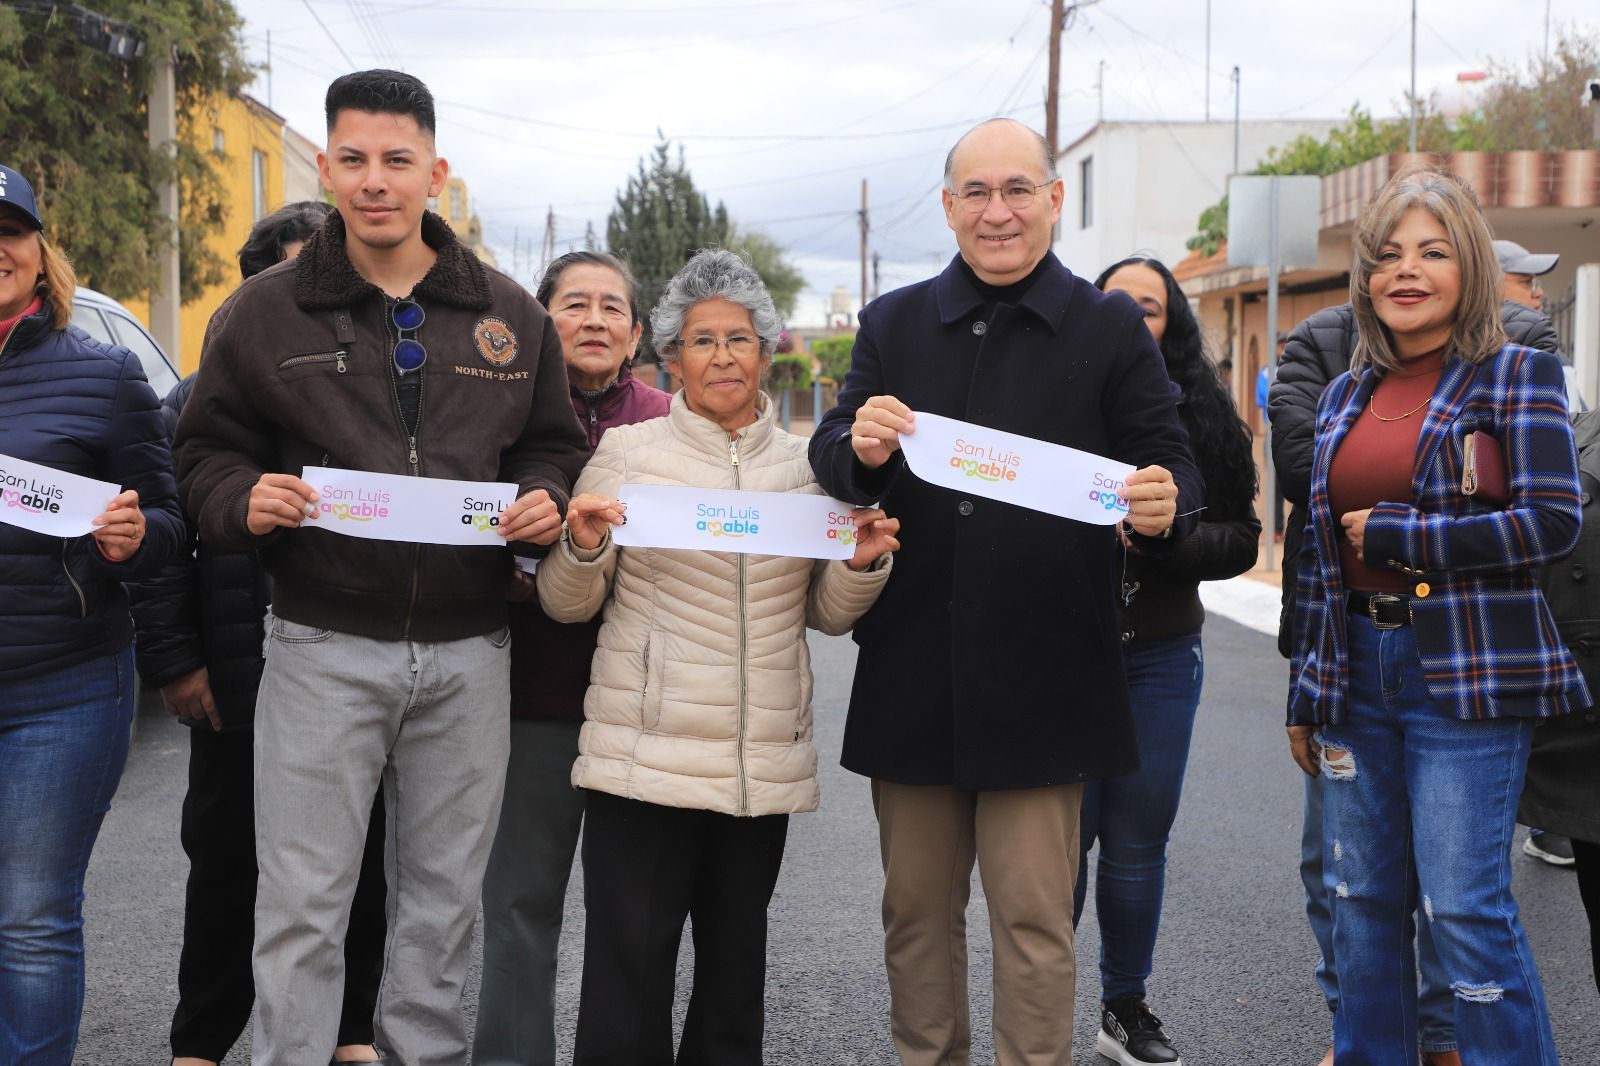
(550, 660)
(1375, 461)
(6, 324)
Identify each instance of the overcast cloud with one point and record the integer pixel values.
(783, 106)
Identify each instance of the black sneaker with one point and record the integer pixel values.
(1551, 848)
(1132, 1036)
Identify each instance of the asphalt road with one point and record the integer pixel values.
(1233, 968)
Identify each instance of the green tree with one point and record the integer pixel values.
(661, 219)
(75, 126)
(833, 355)
(1538, 106)
(783, 280)
(788, 372)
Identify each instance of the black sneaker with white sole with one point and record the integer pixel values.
(1132, 1036)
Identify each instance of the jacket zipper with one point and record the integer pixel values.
(414, 460)
(83, 601)
(594, 420)
(744, 784)
(317, 357)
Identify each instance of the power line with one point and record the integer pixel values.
(666, 46)
(635, 134)
(331, 37)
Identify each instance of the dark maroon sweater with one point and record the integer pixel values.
(550, 660)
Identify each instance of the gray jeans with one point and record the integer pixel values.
(524, 897)
(336, 713)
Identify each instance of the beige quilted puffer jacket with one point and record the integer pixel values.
(700, 694)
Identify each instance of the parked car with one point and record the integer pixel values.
(105, 319)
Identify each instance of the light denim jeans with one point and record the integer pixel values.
(1417, 800)
(335, 714)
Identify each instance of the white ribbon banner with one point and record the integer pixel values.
(730, 520)
(419, 510)
(50, 501)
(1014, 469)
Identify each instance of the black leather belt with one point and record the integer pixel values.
(1387, 610)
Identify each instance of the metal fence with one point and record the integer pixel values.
(1563, 313)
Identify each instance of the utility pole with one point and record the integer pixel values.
(1061, 15)
(1546, 32)
(1052, 87)
(877, 262)
(1100, 92)
(865, 227)
(1208, 60)
(547, 248)
(165, 299)
(1236, 120)
(1411, 141)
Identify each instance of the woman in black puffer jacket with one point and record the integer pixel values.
(75, 405)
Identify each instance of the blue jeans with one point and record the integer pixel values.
(1417, 800)
(1436, 1012)
(1132, 816)
(63, 743)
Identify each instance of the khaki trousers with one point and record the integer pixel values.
(1025, 843)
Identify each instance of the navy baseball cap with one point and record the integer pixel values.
(17, 193)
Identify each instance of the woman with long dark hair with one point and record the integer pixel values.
(1161, 617)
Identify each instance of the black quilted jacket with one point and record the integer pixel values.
(69, 402)
(1317, 351)
(204, 609)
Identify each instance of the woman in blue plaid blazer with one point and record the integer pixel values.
(1424, 652)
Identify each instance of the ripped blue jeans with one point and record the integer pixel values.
(1415, 796)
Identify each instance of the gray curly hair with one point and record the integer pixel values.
(713, 273)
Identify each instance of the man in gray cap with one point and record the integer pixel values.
(1523, 269)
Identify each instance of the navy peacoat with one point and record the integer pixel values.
(993, 660)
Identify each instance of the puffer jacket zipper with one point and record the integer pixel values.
(744, 783)
(83, 601)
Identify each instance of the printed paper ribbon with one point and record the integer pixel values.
(418, 510)
(50, 501)
(1036, 474)
(730, 520)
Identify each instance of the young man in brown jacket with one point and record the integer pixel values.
(386, 346)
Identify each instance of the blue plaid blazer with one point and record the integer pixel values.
(1488, 644)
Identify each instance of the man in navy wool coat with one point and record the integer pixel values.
(989, 683)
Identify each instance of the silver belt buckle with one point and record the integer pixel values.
(1380, 598)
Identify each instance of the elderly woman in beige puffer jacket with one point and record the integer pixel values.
(697, 741)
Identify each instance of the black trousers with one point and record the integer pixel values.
(1588, 867)
(215, 987)
(645, 869)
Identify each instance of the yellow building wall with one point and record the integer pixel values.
(245, 127)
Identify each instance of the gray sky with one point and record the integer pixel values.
(783, 106)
